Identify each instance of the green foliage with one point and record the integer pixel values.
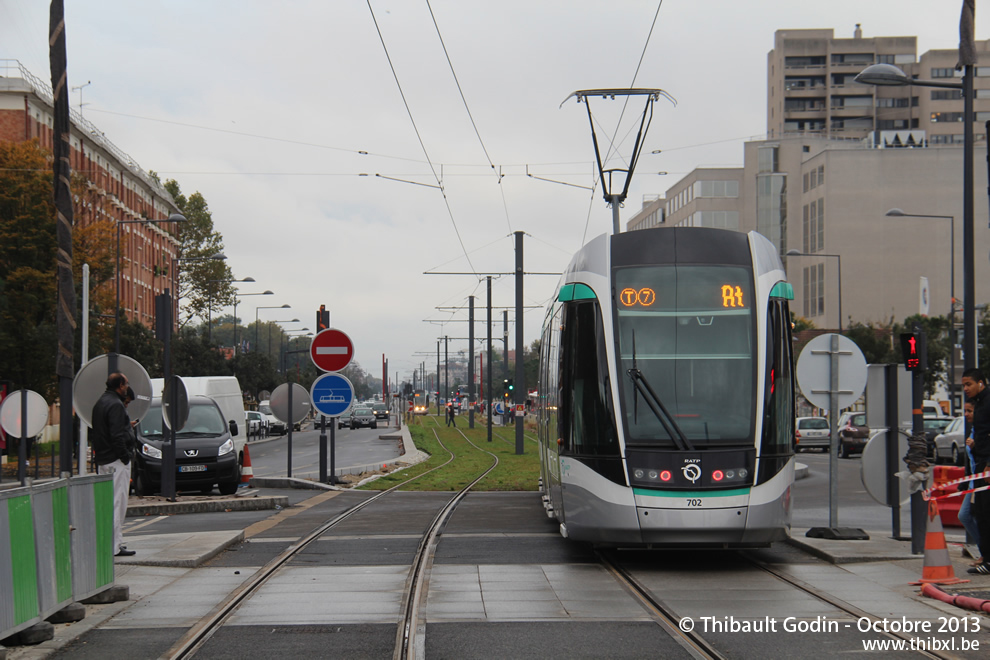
(203, 285)
(874, 339)
(800, 323)
(27, 268)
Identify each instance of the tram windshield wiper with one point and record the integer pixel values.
(659, 410)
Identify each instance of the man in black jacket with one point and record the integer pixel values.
(111, 439)
(975, 389)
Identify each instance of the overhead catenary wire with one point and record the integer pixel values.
(419, 137)
(474, 125)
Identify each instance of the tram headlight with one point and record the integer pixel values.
(730, 474)
(653, 475)
(638, 474)
(743, 473)
(718, 475)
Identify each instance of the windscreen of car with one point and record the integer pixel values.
(859, 420)
(362, 411)
(204, 420)
(816, 423)
(265, 410)
(936, 424)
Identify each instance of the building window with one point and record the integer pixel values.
(982, 116)
(946, 94)
(852, 58)
(806, 243)
(806, 285)
(821, 223)
(716, 219)
(767, 159)
(945, 139)
(852, 101)
(719, 189)
(982, 71)
(821, 175)
(903, 102)
(771, 209)
(946, 72)
(806, 186)
(821, 289)
(980, 94)
(946, 117)
(813, 227)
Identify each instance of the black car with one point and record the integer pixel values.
(381, 411)
(934, 426)
(205, 454)
(853, 434)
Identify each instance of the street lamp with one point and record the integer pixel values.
(838, 271)
(209, 304)
(256, 322)
(288, 333)
(280, 329)
(898, 213)
(175, 217)
(888, 74)
(236, 295)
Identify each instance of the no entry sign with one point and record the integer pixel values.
(331, 350)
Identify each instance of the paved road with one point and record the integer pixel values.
(354, 448)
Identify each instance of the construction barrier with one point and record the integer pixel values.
(948, 508)
(41, 537)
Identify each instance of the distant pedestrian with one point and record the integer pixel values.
(975, 388)
(112, 437)
(450, 416)
(965, 508)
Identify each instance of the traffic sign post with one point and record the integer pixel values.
(331, 350)
(288, 404)
(332, 396)
(23, 413)
(826, 385)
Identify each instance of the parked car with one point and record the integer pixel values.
(205, 453)
(933, 426)
(274, 424)
(257, 423)
(950, 445)
(853, 433)
(812, 433)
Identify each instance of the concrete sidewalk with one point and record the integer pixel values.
(182, 550)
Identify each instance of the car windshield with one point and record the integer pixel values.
(858, 420)
(362, 411)
(204, 419)
(816, 423)
(265, 410)
(936, 424)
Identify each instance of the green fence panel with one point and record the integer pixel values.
(25, 572)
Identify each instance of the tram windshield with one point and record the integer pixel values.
(687, 331)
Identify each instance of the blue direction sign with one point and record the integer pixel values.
(332, 395)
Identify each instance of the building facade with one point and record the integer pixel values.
(118, 190)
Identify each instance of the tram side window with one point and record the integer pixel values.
(778, 417)
(586, 421)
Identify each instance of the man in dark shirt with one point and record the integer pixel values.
(975, 389)
(111, 440)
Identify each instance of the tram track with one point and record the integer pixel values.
(408, 633)
(668, 618)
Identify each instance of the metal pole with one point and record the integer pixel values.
(446, 372)
(490, 391)
(471, 401)
(969, 279)
(833, 414)
(919, 508)
(288, 425)
(438, 380)
(22, 455)
(83, 429)
(323, 449)
(235, 326)
(520, 367)
(893, 483)
(333, 450)
(116, 311)
(838, 261)
(614, 201)
(952, 313)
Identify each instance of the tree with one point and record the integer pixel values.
(202, 285)
(800, 324)
(874, 339)
(27, 268)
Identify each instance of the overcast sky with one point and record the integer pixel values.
(265, 108)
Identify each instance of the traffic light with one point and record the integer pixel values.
(322, 318)
(511, 386)
(915, 351)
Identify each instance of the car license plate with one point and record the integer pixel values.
(192, 468)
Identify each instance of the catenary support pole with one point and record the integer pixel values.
(471, 390)
(491, 398)
(520, 366)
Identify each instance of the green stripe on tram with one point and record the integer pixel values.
(782, 290)
(576, 291)
(691, 493)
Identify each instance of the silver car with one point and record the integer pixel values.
(950, 446)
(812, 433)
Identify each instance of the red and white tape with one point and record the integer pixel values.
(927, 494)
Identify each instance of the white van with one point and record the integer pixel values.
(931, 408)
(226, 391)
(275, 425)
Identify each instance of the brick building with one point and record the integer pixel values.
(119, 190)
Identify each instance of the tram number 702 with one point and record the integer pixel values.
(694, 502)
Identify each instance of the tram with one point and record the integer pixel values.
(667, 394)
(420, 402)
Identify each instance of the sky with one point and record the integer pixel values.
(320, 132)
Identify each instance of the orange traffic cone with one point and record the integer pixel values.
(246, 470)
(938, 566)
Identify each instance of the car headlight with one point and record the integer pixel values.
(226, 447)
(151, 452)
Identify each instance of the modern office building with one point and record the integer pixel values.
(117, 189)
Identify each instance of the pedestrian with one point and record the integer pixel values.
(112, 436)
(965, 508)
(450, 416)
(975, 388)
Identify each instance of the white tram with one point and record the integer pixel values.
(666, 379)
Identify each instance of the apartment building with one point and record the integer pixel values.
(118, 189)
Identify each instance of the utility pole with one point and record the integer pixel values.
(471, 361)
(438, 378)
(490, 397)
(520, 371)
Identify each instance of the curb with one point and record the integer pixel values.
(209, 506)
(192, 560)
(849, 558)
(290, 482)
(801, 471)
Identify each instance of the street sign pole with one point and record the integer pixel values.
(333, 452)
(919, 509)
(289, 424)
(323, 449)
(833, 414)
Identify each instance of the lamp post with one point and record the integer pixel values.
(256, 322)
(209, 304)
(175, 217)
(898, 213)
(241, 295)
(304, 332)
(838, 271)
(280, 330)
(888, 74)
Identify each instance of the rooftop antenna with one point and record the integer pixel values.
(613, 198)
(79, 88)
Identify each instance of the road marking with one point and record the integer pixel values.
(144, 524)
